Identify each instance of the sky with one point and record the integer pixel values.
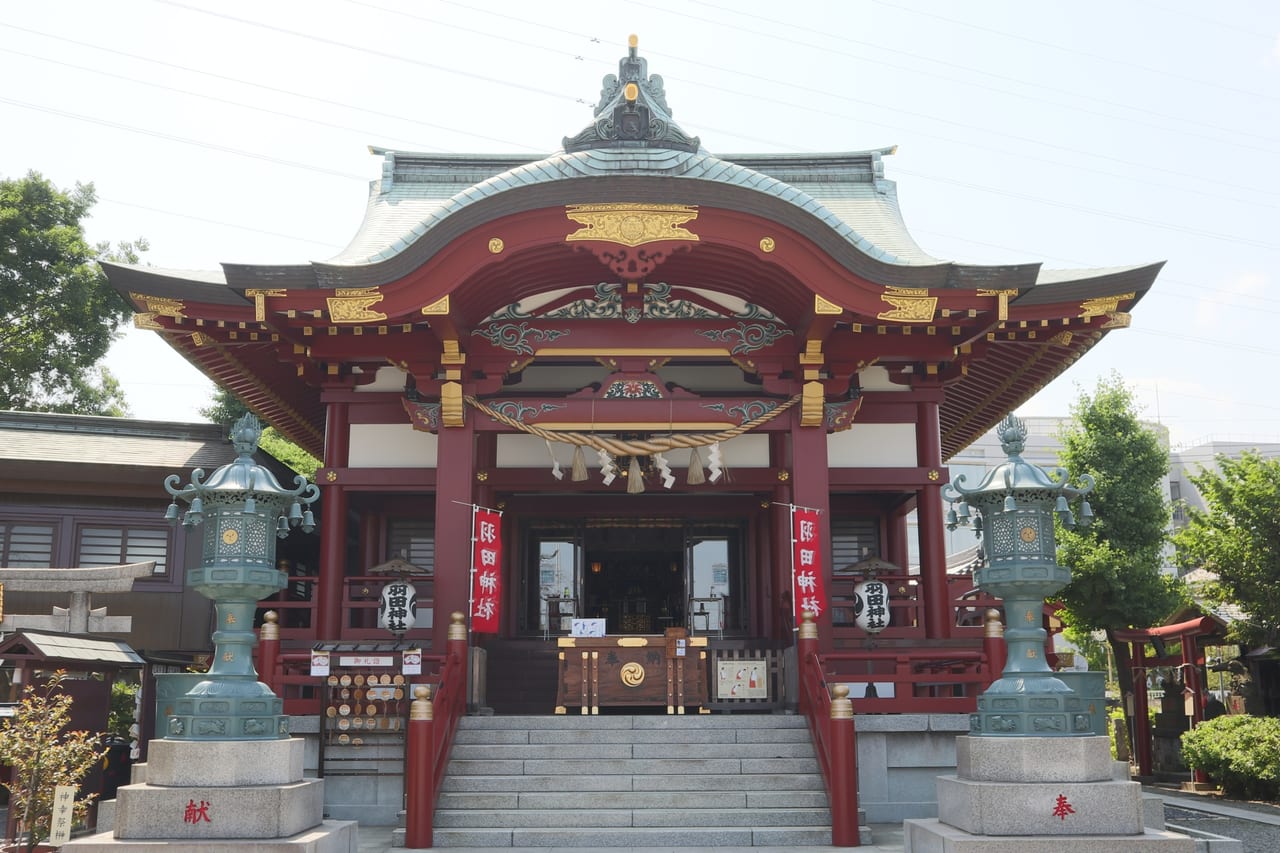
(1065, 132)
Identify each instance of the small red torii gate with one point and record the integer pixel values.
(1192, 666)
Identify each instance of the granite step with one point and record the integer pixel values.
(633, 781)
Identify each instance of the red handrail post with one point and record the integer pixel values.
(269, 650)
(419, 796)
(806, 649)
(993, 644)
(844, 771)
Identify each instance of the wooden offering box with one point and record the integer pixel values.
(600, 672)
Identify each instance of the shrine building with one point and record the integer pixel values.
(645, 357)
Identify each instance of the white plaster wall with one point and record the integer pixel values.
(873, 446)
(528, 451)
(876, 378)
(391, 446)
(387, 378)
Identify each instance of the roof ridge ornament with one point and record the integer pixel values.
(632, 112)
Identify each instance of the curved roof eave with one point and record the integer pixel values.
(609, 176)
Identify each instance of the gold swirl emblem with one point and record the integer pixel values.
(632, 674)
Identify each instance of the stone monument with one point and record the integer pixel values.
(226, 775)
(1032, 775)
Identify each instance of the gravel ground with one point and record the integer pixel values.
(1255, 837)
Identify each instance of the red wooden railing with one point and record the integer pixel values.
(906, 608)
(831, 726)
(432, 725)
(297, 604)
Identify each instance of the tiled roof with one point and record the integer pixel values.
(39, 437)
(845, 192)
(70, 647)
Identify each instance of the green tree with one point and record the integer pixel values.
(226, 408)
(1115, 562)
(35, 742)
(58, 315)
(1237, 537)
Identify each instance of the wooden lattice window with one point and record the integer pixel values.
(103, 545)
(27, 544)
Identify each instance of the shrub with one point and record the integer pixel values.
(1239, 752)
(44, 754)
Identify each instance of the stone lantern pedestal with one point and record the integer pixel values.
(220, 797)
(1033, 776)
(1038, 795)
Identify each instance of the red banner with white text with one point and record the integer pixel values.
(807, 589)
(486, 570)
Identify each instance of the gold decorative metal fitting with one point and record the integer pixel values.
(767, 245)
(457, 626)
(270, 629)
(355, 305)
(420, 708)
(496, 245)
(825, 306)
(910, 304)
(808, 628)
(502, 504)
(331, 476)
(482, 476)
(631, 224)
(783, 476)
(841, 706)
(991, 626)
(934, 474)
(632, 674)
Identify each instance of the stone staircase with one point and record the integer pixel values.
(632, 781)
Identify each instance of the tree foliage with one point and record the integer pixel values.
(1237, 537)
(58, 315)
(226, 408)
(1115, 562)
(35, 742)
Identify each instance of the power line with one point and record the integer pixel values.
(263, 86)
(1041, 43)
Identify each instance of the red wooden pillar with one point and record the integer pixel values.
(1191, 682)
(898, 551)
(419, 796)
(1141, 723)
(938, 612)
(812, 488)
(844, 771)
(333, 524)
(781, 620)
(455, 478)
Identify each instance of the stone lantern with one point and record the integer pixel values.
(1013, 510)
(243, 509)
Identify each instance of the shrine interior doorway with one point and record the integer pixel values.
(641, 575)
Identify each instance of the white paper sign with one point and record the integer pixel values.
(319, 663)
(587, 628)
